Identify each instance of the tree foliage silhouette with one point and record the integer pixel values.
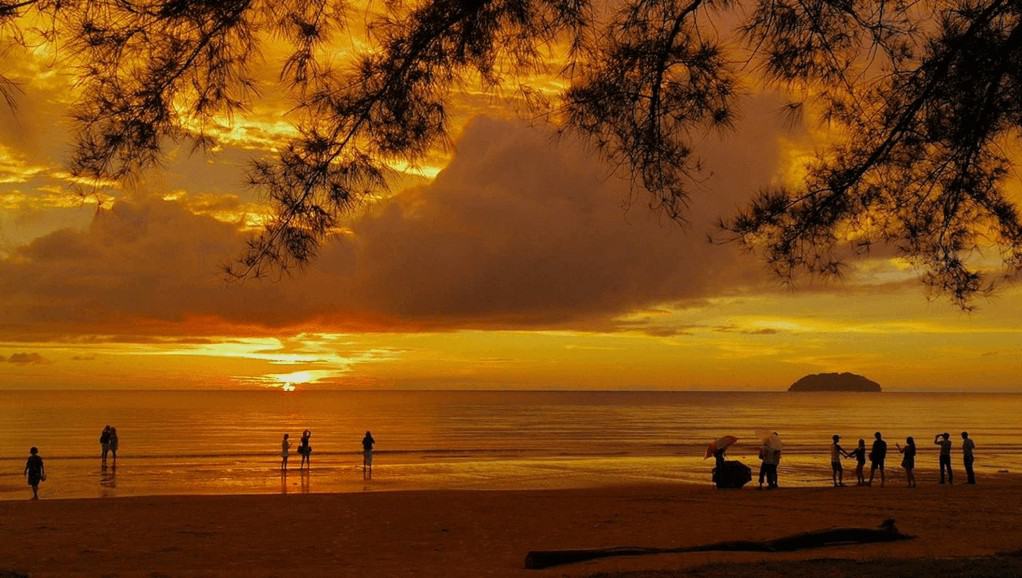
(928, 94)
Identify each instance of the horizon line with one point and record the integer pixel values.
(479, 390)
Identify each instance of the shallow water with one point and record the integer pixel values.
(228, 442)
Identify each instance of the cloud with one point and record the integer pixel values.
(24, 358)
(519, 231)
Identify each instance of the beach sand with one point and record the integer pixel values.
(487, 533)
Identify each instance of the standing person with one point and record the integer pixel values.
(908, 461)
(285, 446)
(837, 472)
(968, 447)
(877, 455)
(773, 460)
(113, 443)
(860, 462)
(305, 450)
(367, 456)
(763, 452)
(104, 442)
(944, 441)
(34, 471)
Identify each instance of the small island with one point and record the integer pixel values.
(835, 382)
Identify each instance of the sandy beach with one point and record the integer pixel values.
(486, 533)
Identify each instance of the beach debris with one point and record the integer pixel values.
(886, 532)
(719, 444)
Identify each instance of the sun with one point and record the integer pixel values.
(290, 381)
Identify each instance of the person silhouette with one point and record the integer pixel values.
(944, 441)
(367, 455)
(860, 462)
(114, 443)
(285, 446)
(305, 450)
(968, 447)
(104, 442)
(837, 472)
(34, 471)
(877, 455)
(908, 460)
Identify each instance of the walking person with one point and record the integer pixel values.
(877, 455)
(908, 460)
(114, 443)
(285, 447)
(836, 453)
(367, 456)
(968, 447)
(34, 471)
(104, 442)
(944, 441)
(305, 450)
(860, 462)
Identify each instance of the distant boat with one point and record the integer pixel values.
(835, 382)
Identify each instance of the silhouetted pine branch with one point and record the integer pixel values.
(926, 92)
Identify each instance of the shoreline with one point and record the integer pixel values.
(487, 532)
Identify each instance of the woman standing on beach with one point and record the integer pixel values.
(285, 447)
(909, 460)
(305, 450)
(367, 455)
(860, 462)
(34, 471)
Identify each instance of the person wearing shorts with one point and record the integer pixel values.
(876, 457)
(836, 453)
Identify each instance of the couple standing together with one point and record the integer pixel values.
(108, 441)
(304, 450)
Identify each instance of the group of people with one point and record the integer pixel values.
(305, 450)
(878, 455)
(770, 458)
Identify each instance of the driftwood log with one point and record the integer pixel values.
(887, 532)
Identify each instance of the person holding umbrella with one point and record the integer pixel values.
(727, 474)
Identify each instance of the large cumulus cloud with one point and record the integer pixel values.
(518, 231)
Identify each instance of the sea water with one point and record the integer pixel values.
(217, 442)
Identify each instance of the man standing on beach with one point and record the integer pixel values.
(944, 441)
(876, 457)
(836, 453)
(968, 447)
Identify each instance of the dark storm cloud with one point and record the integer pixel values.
(519, 231)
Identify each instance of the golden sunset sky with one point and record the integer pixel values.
(512, 259)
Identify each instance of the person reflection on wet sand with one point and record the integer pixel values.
(305, 475)
(108, 476)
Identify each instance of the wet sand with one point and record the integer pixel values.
(487, 533)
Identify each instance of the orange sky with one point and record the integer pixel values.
(513, 260)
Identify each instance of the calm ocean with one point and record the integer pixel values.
(229, 442)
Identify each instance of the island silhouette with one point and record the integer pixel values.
(835, 382)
